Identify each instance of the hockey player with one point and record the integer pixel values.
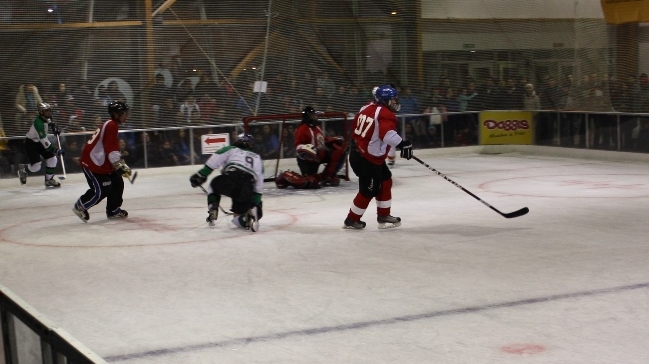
(374, 133)
(103, 166)
(37, 145)
(241, 179)
(313, 149)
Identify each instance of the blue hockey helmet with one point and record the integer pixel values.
(388, 96)
(245, 141)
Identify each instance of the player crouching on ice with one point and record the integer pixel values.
(37, 145)
(313, 149)
(241, 179)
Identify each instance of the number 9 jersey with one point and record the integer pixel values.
(375, 132)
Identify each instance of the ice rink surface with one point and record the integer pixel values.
(456, 283)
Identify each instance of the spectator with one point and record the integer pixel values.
(27, 99)
(531, 99)
(270, 142)
(326, 84)
(127, 151)
(158, 96)
(72, 157)
(181, 147)
(190, 110)
(208, 109)
(288, 142)
(168, 155)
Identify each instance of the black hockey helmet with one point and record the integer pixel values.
(117, 107)
(42, 107)
(309, 116)
(245, 141)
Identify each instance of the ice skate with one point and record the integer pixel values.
(388, 221)
(352, 224)
(212, 215)
(117, 214)
(52, 183)
(253, 222)
(82, 214)
(22, 174)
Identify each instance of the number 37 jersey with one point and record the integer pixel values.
(375, 132)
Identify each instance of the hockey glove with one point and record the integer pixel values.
(197, 179)
(121, 168)
(406, 149)
(59, 151)
(307, 152)
(55, 129)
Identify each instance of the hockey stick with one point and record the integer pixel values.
(61, 156)
(132, 177)
(510, 215)
(220, 208)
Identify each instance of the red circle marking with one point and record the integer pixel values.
(523, 349)
(138, 221)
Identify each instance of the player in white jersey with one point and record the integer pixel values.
(38, 146)
(241, 179)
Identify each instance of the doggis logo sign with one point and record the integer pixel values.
(506, 127)
(507, 124)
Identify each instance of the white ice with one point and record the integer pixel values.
(456, 283)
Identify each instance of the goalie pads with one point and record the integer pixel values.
(307, 152)
(296, 180)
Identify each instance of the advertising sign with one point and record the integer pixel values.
(625, 11)
(506, 127)
(210, 143)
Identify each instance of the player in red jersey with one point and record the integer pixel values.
(104, 167)
(374, 133)
(313, 149)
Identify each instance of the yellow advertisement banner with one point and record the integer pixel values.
(625, 11)
(506, 127)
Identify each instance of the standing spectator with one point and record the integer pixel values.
(38, 146)
(531, 99)
(158, 95)
(190, 110)
(83, 95)
(208, 108)
(104, 167)
(487, 93)
(27, 100)
(375, 133)
(326, 84)
(270, 142)
(288, 141)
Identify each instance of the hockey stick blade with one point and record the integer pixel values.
(517, 213)
(133, 177)
(61, 177)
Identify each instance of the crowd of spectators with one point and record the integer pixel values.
(200, 100)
